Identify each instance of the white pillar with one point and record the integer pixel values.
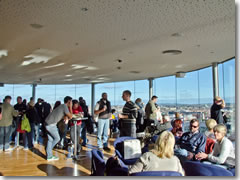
(34, 91)
(92, 98)
(215, 79)
(150, 87)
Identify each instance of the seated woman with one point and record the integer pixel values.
(210, 123)
(161, 158)
(177, 128)
(223, 151)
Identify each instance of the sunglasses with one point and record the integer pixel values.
(194, 126)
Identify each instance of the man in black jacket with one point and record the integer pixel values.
(216, 112)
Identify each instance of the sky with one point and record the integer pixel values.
(195, 88)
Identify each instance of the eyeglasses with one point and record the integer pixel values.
(194, 126)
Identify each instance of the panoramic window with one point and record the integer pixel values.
(165, 90)
(46, 92)
(7, 89)
(227, 91)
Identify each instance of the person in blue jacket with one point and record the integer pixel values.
(190, 143)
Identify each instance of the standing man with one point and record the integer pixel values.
(62, 111)
(6, 123)
(151, 111)
(21, 108)
(128, 117)
(103, 110)
(216, 112)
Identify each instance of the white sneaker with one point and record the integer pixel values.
(26, 149)
(53, 158)
(8, 150)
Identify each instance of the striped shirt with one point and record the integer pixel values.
(130, 109)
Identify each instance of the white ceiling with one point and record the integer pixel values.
(85, 39)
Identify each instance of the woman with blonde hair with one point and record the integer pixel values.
(223, 152)
(161, 158)
(210, 124)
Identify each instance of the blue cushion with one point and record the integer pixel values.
(193, 168)
(98, 163)
(154, 138)
(232, 171)
(156, 173)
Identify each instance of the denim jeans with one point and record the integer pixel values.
(181, 152)
(83, 133)
(103, 127)
(53, 138)
(28, 137)
(5, 133)
(35, 133)
(16, 121)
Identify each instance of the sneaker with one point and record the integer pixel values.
(53, 158)
(8, 150)
(26, 149)
(107, 149)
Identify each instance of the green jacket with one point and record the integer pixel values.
(7, 114)
(150, 108)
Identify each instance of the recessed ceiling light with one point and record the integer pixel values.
(36, 26)
(124, 39)
(172, 52)
(212, 52)
(119, 67)
(68, 75)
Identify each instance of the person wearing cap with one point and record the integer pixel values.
(151, 111)
(216, 112)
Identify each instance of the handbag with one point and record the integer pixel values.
(25, 125)
(19, 128)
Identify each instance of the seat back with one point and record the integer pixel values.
(156, 173)
(116, 167)
(209, 145)
(193, 168)
(98, 163)
(118, 145)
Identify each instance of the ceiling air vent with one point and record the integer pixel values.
(172, 52)
(134, 72)
(36, 26)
